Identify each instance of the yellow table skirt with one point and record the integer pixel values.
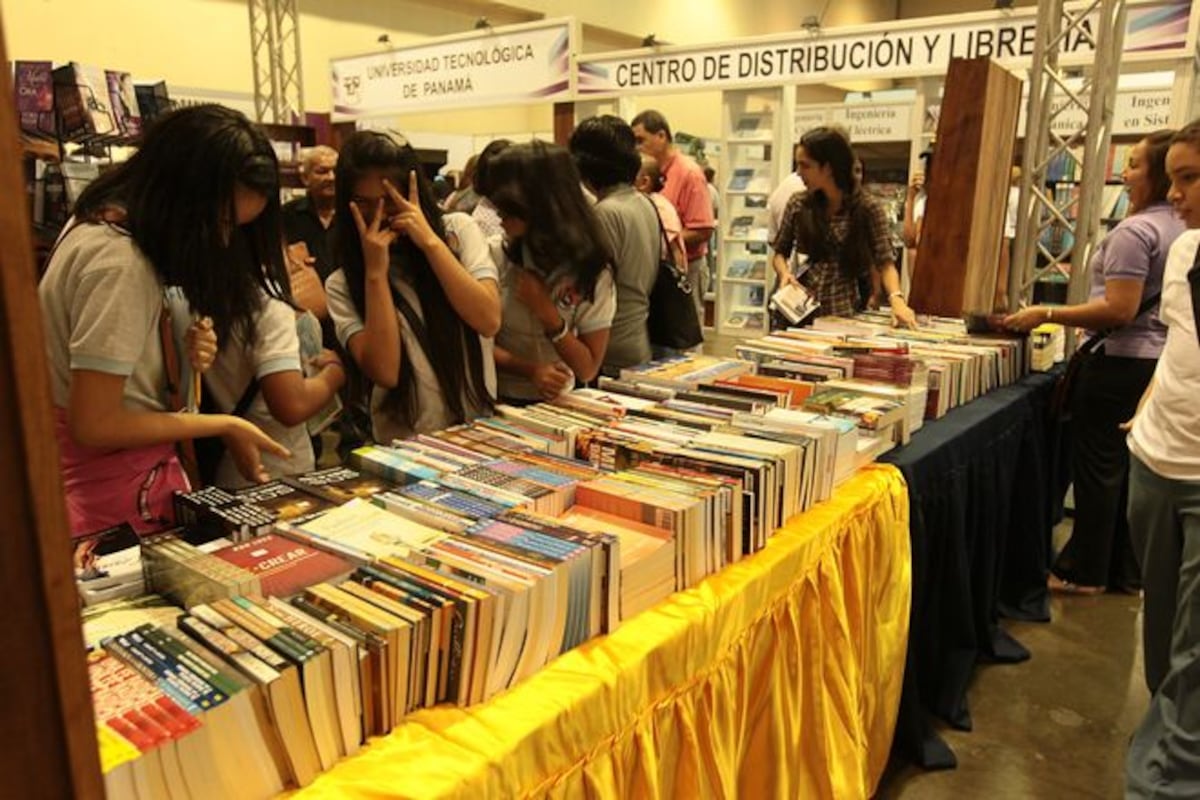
(778, 677)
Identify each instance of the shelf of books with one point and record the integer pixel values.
(754, 148)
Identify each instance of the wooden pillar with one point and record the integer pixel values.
(47, 736)
(564, 122)
(968, 190)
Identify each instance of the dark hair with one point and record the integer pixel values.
(177, 196)
(483, 186)
(1157, 145)
(449, 343)
(830, 146)
(653, 121)
(605, 151)
(709, 174)
(538, 184)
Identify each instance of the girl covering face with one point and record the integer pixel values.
(556, 281)
(415, 300)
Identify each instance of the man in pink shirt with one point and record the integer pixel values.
(685, 188)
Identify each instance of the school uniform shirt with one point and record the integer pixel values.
(101, 301)
(276, 348)
(521, 332)
(628, 219)
(468, 244)
(1166, 434)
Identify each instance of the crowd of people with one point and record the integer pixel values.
(183, 304)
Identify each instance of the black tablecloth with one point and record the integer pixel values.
(984, 484)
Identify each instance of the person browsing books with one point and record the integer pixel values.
(1126, 271)
(687, 190)
(555, 275)
(843, 232)
(196, 207)
(271, 383)
(1164, 511)
(604, 150)
(415, 288)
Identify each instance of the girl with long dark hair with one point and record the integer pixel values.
(415, 298)
(196, 207)
(842, 231)
(556, 278)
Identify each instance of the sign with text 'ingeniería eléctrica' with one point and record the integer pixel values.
(494, 66)
(894, 49)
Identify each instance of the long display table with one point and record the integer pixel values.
(778, 677)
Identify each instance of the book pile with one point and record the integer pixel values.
(108, 565)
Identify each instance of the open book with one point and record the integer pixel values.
(794, 302)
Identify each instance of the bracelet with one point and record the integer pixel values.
(896, 294)
(560, 334)
(1049, 315)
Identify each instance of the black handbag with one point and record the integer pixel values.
(673, 321)
(1060, 397)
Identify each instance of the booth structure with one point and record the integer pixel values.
(770, 92)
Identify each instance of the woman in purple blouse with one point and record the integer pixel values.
(1126, 270)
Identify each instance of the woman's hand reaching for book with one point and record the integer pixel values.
(902, 314)
(246, 443)
(552, 380)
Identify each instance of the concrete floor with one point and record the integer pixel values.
(1055, 726)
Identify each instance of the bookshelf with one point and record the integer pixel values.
(755, 146)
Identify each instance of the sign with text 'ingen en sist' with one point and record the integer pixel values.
(890, 50)
(512, 64)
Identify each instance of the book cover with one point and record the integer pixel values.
(123, 102)
(284, 567)
(34, 84)
(338, 485)
(81, 95)
(740, 178)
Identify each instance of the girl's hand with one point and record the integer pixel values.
(552, 380)
(246, 444)
(376, 239)
(533, 292)
(411, 220)
(902, 315)
(201, 344)
(1026, 319)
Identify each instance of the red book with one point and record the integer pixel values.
(285, 567)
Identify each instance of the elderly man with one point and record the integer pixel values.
(308, 219)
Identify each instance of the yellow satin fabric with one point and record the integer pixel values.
(778, 677)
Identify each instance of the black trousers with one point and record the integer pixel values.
(1106, 394)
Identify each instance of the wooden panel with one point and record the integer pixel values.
(564, 122)
(968, 190)
(47, 737)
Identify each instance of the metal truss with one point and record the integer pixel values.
(275, 46)
(1073, 219)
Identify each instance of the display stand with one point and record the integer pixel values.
(754, 123)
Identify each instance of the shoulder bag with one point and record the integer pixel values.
(672, 321)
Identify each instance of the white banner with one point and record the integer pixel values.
(874, 123)
(1134, 111)
(512, 64)
(885, 50)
